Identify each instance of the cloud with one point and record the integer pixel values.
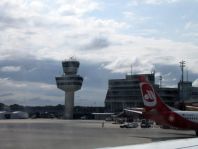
(153, 2)
(136, 19)
(191, 30)
(142, 52)
(70, 33)
(191, 25)
(159, 1)
(22, 92)
(97, 43)
(6, 94)
(30, 69)
(77, 7)
(33, 35)
(10, 68)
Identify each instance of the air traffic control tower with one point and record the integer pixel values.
(69, 82)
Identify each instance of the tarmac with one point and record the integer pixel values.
(78, 134)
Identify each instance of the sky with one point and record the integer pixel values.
(106, 36)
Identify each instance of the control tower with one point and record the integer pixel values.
(69, 82)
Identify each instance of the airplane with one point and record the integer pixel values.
(155, 109)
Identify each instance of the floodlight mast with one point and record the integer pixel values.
(182, 65)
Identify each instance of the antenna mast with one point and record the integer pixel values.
(182, 65)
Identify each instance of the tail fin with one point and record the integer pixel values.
(150, 98)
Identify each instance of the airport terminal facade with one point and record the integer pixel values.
(125, 93)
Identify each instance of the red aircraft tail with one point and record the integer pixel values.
(150, 98)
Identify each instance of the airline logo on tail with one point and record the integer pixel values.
(149, 97)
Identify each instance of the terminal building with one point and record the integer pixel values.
(125, 93)
(187, 92)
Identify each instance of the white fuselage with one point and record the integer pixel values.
(189, 115)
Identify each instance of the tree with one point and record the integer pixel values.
(2, 106)
(16, 107)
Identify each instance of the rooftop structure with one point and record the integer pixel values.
(69, 82)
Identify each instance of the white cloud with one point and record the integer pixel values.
(23, 92)
(49, 33)
(10, 68)
(143, 53)
(160, 1)
(58, 36)
(13, 85)
(20, 8)
(191, 26)
(152, 2)
(77, 7)
(134, 17)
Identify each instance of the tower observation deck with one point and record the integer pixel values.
(69, 82)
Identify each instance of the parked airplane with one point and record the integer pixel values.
(156, 110)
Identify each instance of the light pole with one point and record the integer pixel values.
(182, 65)
(160, 78)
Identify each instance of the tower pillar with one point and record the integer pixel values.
(69, 105)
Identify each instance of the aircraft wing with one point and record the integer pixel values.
(134, 111)
(171, 144)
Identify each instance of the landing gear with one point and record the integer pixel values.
(196, 131)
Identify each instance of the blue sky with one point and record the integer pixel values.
(106, 36)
